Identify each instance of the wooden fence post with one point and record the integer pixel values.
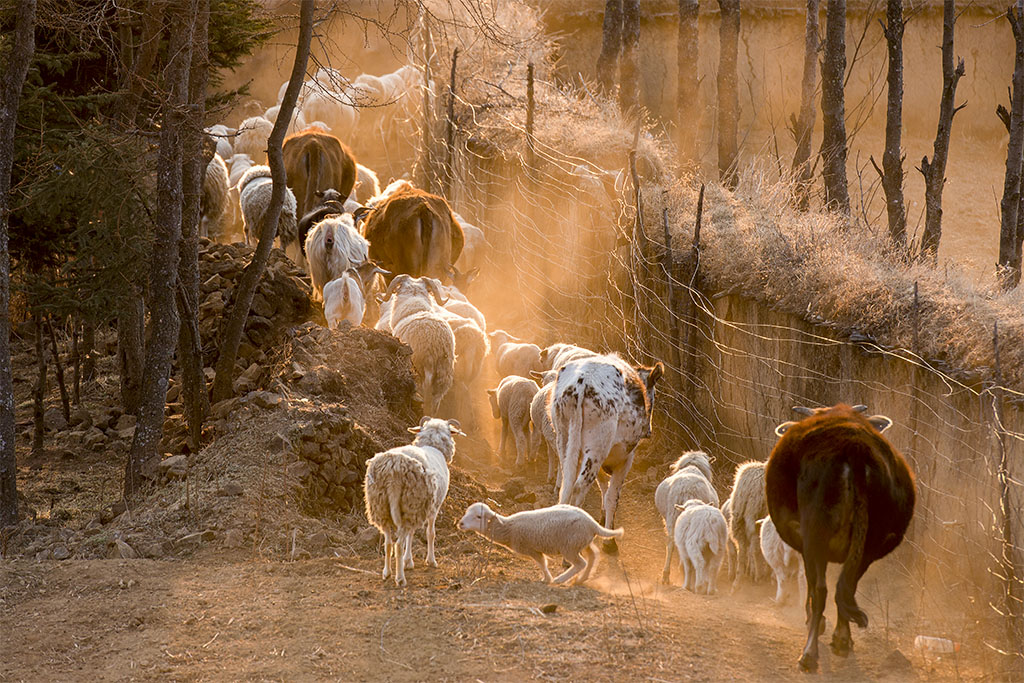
(694, 285)
(673, 305)
(449, 132)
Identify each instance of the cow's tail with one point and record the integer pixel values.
(855, 564)
(314, 169)
(573, 456)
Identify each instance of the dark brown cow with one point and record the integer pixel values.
(316, 161)
(837, 492)
(414, 232)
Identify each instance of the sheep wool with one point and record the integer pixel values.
(748, 505)
(682, 485)
(255, 189)
(510, 403)
(785, 562)
(701, 537)
(543, 433)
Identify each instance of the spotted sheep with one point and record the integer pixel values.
(837, 491)
(601, 409)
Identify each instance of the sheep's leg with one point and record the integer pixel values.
(553, 469)
(400, 544)
(666, 572)
(407, 551)
(542, 561)
(714, 567)
(590, 556)
(578, 565)
(431, 560)
(503, 444)
(684, 564)
(697, 558)
(387, 555)
(780, 590)
(522, 447)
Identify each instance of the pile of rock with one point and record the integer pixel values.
(282, 300)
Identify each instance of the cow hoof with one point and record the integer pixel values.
(808, 664)
(841, 647)
(610, 547)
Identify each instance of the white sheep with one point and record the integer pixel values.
(238, 165)
(367, 184)
(510, 403)
(252, 137)
(344, 300)
(543, 432)
(557, 355)
(564, 530)
(404, 488)
(214, 200)
(701, 537)
(465, 309)
(688, 479)
(333, 246)
(414, 319)
(221, 133)
(392, 188)
(254, 192)
(513, 356)
(748, 505)
(731, 562)
(474, 246)
(784, 561)
(471, 346)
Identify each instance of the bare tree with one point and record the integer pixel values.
(687, 94)
(1009, 208)
(196, 156)
(833, 109)
(162, 332)
(17, 61)
(892, 158)
(934, 171)
(629, 64)
(611, 44)
(231, 335)
(803, 127)
(728, 90)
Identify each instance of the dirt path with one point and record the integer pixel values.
(224, 615)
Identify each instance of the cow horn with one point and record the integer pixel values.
(860, 408)
(423, 420)
(803, 410)
(434, 286)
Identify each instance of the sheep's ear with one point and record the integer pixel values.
(783, 428)
(880, 422)
(492, 392)
(414, 430)
(537, 375)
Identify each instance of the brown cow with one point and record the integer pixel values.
(414, 232)
(317, 161)
(837, 492)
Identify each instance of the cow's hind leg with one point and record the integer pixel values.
(815, 564)
(856, 564)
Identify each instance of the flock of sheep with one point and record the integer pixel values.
(401, 259)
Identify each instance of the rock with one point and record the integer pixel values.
(249, 379)
(206, 536)
(318, 540)
(60, 552)
(234, 538)
(113, 512)
(81, 418)
(549, 608)
(126, 434)
(529, 498)
(94, 439)
(223, 409)
(157, 550)
(514, 487)
(232, 488)
(174, 467)
(54, 420)
(43, 555)
(151, 468)
(896, 661)
(368, 535)
(299, 470)
(265, 399)
(124, 422)
(118, 549)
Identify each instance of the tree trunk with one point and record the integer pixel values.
(58, 368)
(934, 171)
(688, 94)
(39, 391)
(130, 350)
(231, 335)
(803, 127)
(138, 60)
(892, 157)
(11, 82)
(1009, 207)
(76, 364)
(195, 400)
(728, 90)
(833, 143)
(611, 45)
(162, 331)
(88, 349)
(629, 64)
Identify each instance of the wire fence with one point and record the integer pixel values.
(572, 260)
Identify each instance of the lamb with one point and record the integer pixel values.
(748, 506)
(344, 300)
(367, 184)
(252, 137)
(543, 433)
(222, 133)
(254, 190)
(783, 560)
(731, 561)
(414, 320)
(475, 247)
(471, 346)
(328, 202)
(512, 356)
(333, 246)
(557, 355)
(332, 109)
(239, 164)
(701, 537)
(510, 403)
(404, 488)
(213, 201)
(392, 188)
(563, 530)
(688, 479)
(463, 308)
